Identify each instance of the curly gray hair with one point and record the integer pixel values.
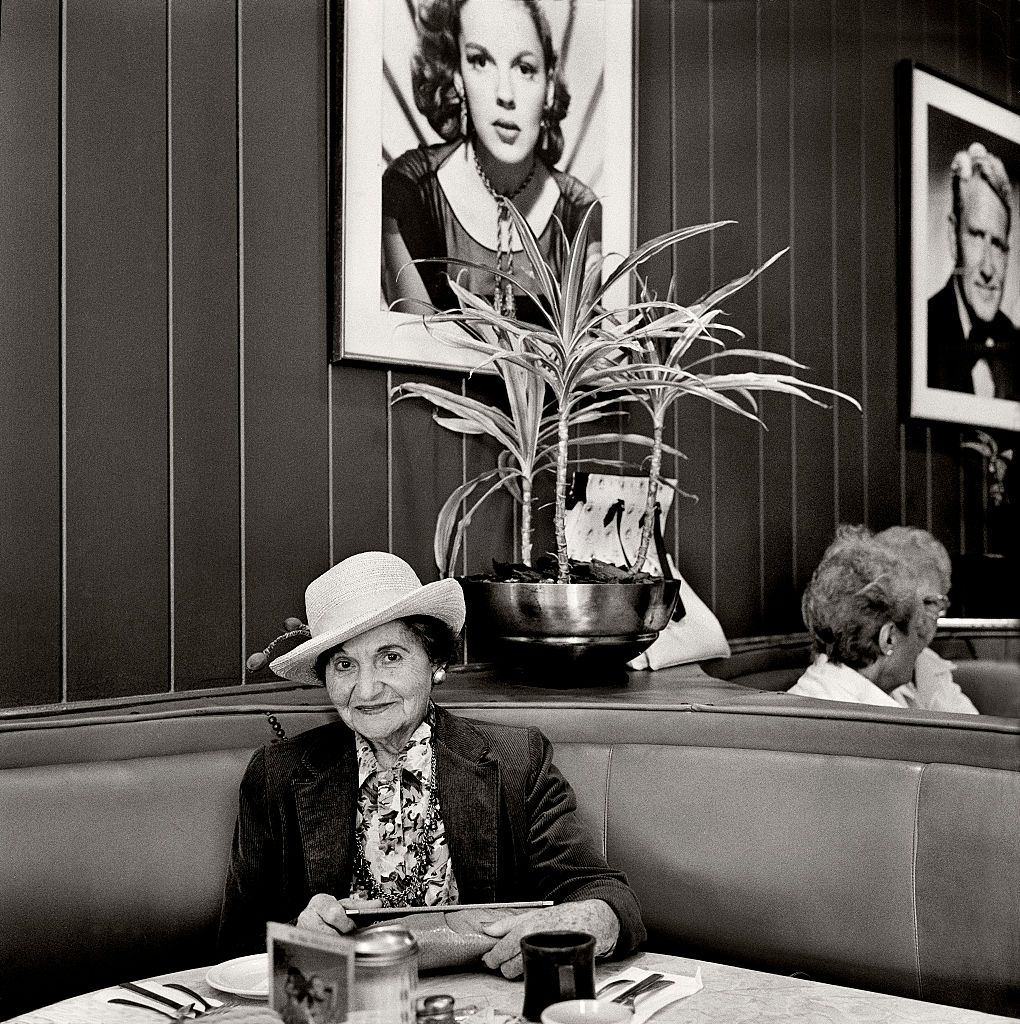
(859, 585)
(922, 550)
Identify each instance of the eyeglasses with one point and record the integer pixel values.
(936, 604)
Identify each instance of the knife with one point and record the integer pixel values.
(144, 1006)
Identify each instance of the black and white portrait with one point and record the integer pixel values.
(451, 108)
(965, 255)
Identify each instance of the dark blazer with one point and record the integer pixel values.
(510, 821)
(951, 356)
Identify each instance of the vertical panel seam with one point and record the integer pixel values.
(674, 256)
(171, 548)
(865, 479)
(389, 462)
(759, 245)
(913, 881)
(711, 284)
(834, 264)
(605, 802)
(902, 426)
(330, 366)
(62, 317)
(242, 482)
(791, 137)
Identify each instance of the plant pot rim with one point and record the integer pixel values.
(659, 581)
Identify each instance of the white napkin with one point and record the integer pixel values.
(646, 1006)
(698, 636)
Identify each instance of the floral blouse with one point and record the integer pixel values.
(392, 808)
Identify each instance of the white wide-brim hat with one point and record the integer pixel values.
(362, 592)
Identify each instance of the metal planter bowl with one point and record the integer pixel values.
(593, 627)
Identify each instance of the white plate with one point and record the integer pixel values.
(246, 976)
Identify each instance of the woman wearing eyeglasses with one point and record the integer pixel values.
(872, 608)
(932, 686)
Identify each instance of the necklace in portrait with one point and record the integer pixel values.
(411, 892)
(503, 300)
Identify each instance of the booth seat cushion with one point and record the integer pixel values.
(111, 870)
(968, 869)
(993, 686)
(748, 845)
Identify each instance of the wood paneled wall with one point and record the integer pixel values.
(177, 458)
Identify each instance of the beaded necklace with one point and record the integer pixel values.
(504, 297)
(412, 892)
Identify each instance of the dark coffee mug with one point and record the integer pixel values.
(557, 966)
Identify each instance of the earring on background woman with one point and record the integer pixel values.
(439, 676)
(462, 107)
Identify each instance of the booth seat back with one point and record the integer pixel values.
(987, 668)
(753, 836)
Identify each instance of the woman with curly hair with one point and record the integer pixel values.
(871, 611)
(486, 78)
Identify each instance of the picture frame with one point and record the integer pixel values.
(311, 975)
(959, 260)
(374, 121)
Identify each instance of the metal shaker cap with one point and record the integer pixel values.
(434, 1009)
(380, 945)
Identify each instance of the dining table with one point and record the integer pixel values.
(728, 995)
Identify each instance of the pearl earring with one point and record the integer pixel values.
(438, 676)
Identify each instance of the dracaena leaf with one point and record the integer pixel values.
(447, 518)
(723, 293)
(653, 247)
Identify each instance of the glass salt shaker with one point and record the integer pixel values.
(385, 975)
(435, 1009)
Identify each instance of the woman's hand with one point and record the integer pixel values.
(593, 916)
(326, 913)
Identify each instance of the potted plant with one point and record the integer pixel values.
(584, 361)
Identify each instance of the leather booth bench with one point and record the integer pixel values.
(872, 847)
(987, 660)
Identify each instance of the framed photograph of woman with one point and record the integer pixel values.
(961, 265)
(445, 109)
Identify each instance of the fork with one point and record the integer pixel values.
(629, 998)
(205, 1003)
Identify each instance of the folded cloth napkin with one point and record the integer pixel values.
(453, 938)
(698, 636)
(646, 1006)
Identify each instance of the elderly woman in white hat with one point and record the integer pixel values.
(400, 803)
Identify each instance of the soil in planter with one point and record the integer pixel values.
(546, 568)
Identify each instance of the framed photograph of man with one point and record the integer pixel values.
(443, 110)
(960, 272)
